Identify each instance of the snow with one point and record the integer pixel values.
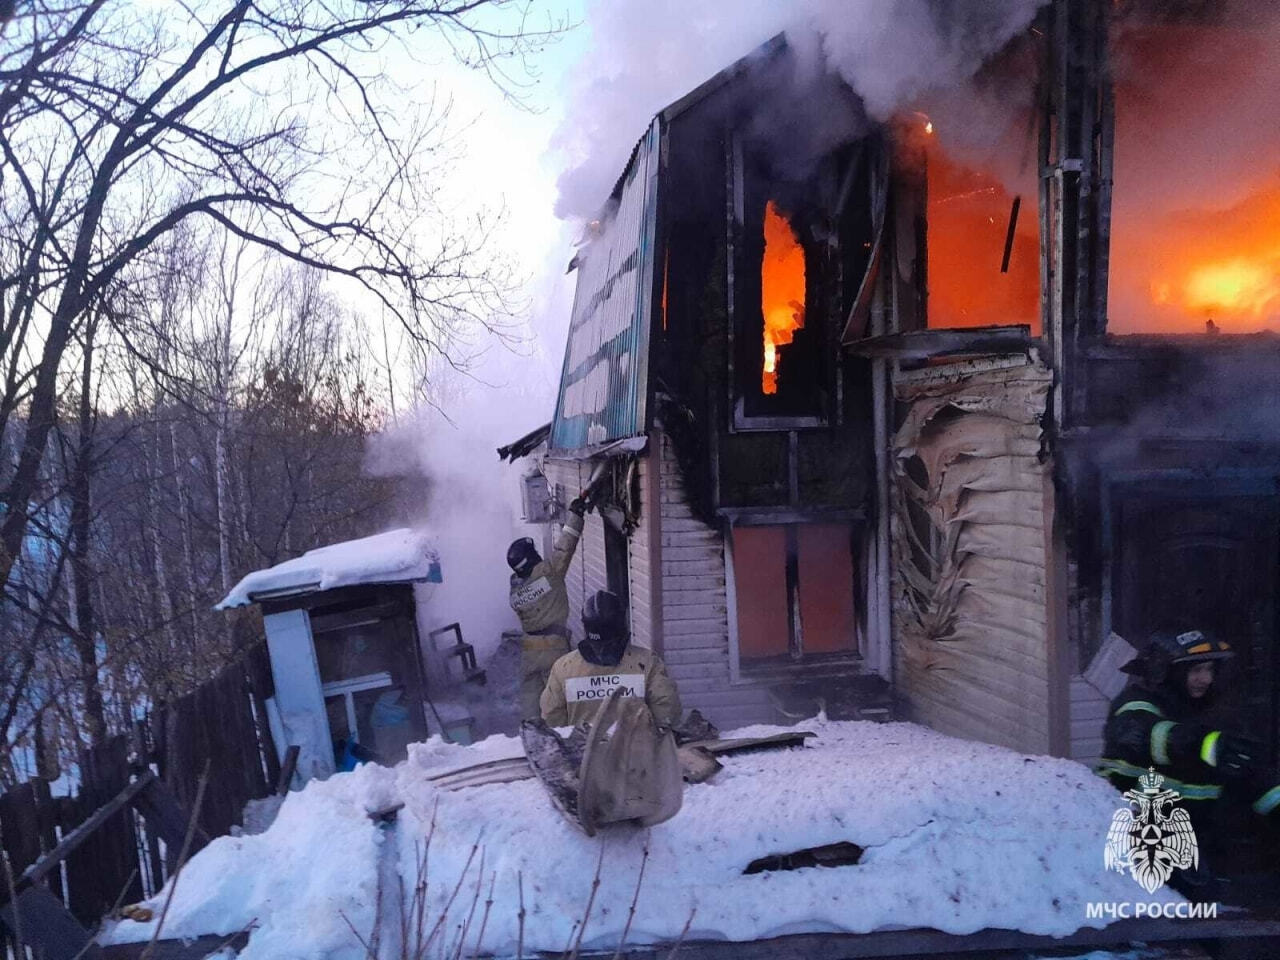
(397, 556)
(959, 836)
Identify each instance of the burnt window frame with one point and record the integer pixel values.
(739, 309)
(796, 660)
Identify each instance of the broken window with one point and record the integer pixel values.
(783, 371)
(794, 591)
(1196, 211)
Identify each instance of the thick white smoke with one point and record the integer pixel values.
(896, 54)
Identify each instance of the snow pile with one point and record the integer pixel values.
(397, 556)
(958, 836)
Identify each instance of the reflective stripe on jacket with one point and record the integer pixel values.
(1146, 729)
(541, 600)
(576, 687)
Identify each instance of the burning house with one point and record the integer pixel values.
(879, 420)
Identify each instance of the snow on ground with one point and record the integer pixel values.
(396, 556)
(958, 835)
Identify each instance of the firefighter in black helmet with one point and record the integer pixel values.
(540, 600)
(606, 661)
(1160, 720)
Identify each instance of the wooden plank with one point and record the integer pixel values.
(47, 926)
(19, 826)
(923, 344)
(196, 949)
(166, 817)
(73, 840)
(778, 741)
(287, 768)
(48, 821)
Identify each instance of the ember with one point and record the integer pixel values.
(781, 290)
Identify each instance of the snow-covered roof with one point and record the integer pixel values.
(957, 836)
(397, 556)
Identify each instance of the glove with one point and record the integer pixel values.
(1232, 754)
(578, 506)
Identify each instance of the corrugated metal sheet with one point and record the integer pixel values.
(604, 381)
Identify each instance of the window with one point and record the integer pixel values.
(783, 376)
(793, 592)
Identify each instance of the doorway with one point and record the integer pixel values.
(1188, 556)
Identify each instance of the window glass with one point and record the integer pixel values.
(352, 652)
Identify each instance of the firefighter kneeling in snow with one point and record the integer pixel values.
(1159, 721)
(540, 600)
(604, 662)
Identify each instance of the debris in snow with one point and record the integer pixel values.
(397, 556)
(957, 836)
(841, 854)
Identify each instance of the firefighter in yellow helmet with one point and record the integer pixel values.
(606, 661)
(1161, 721)
(540, 600)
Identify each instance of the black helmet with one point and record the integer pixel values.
(604, 620)
(523, 556)
(604, 614)
(1190, 646)
(1168, 647)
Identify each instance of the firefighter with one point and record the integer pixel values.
(604, 662)
(1160, 720)
(539, 598)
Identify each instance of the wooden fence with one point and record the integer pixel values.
(221, 727)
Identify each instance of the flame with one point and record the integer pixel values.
(968, 217)
(1176, 270)
(1195, 228)
(781, 290)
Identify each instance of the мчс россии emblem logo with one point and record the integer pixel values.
(1151, 838)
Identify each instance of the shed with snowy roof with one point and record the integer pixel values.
(341, 628)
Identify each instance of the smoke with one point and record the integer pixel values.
(895, 54)
(472, 501)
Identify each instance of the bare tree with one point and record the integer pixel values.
(274, 119)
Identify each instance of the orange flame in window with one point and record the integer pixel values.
(781, 290)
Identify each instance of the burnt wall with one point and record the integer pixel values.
(1160, 414)
(694, 355)
(970, 546)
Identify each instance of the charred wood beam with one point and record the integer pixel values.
(927, 344)
(1008, 237)
(525, 445)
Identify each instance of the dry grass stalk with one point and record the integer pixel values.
(520, 917)
(683, 933)
(635, 898)
(456, 953)
(444, 912)
(484, 919)
(182, 860)
(586, 914)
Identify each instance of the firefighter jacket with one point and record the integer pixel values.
(576, 687)
(1163, 729)
(540, 600)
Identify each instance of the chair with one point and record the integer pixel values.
(466, 654)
